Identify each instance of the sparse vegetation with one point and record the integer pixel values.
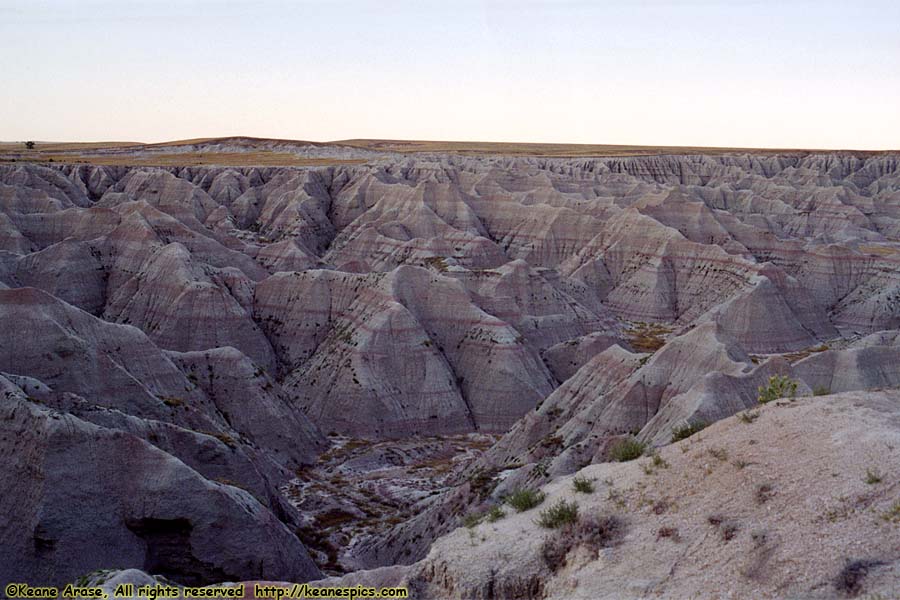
(494, 514)
(482, 483)
(659, 462)
(849, 581)
(892, 515)
(317, 539)
(539, 470)
(583, 485)
(648, 337)
(728, 530)
(334, 517)
(873, 476)
(615, 496)
(687, 430)
(719, 453)
(181, 159)
(764, 493)
(475, 518)
(524, 499)
(439, 263)
(726, 527)
(821, 390)
(627, 449)
(551, 442)
(222, 437)
(472, 519)
(779, 386)
(748, 416)
(172, 402)
(668, 533)
(561, 513)
(798, 356)
(590, 532)
(656, 462)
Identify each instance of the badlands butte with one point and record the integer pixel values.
(238, 359)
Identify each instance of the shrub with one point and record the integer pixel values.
(687, 430)
(29, 145)
(472, 519)
(590, 532)
(539, 470)
(748, 416)
(821, 390)
(892, 515)
(555, 549)
(616, 496)
(476, 518)
(648, 337)
(494, 514)
(561, 513)
(873, 476)
(656, 461)
(627, 449)
(780, 386)
(727, 528)
(583, 485)
(719, 453)
(523, 500)
(482, 483)
(668, 532)
(850, 580)
(764, 493)
(222, 437)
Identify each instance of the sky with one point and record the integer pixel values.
(735, 73)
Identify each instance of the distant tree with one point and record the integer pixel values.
(29, 145)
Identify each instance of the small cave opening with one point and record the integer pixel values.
(169, 551)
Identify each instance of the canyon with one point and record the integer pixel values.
(237, 359)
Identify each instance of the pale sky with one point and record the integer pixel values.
(755, 73)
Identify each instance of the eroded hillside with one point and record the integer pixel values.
(353, 357)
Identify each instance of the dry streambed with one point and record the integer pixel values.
(360, 489)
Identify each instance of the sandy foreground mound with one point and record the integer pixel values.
(796, 499)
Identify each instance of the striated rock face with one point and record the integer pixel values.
(79, 497)
(72, 351)
(112, 378)
(410, 349)
(252, 403)
(239, 321)
(524, 257)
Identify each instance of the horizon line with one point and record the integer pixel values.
(357, 141)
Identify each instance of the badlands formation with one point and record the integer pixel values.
(321, 372)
